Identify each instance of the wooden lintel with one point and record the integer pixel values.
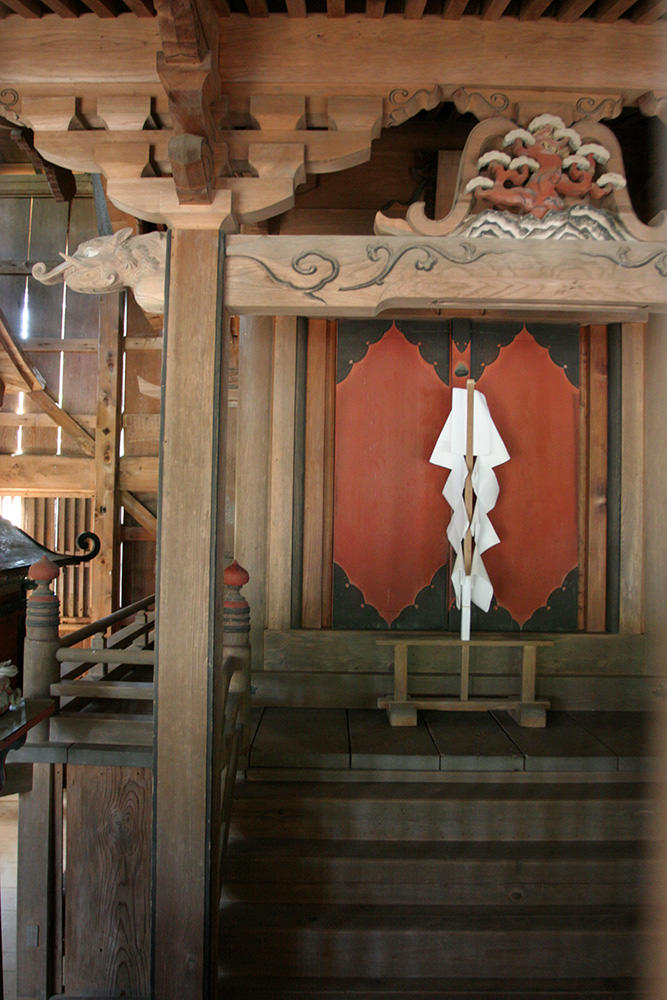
(362, 276)
(47, 475)
(60, 180)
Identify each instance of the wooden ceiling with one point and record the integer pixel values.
(602, 11)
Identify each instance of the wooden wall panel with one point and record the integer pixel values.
(107, 897)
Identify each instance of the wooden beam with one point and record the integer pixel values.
(607, 11)
(296, 8)
(83, 345)
(375, 8)
(102, 8)
(571, 10)
(336, 8)
(60, 180)
(105, 571)
(138, 474)
(142, 8)
(139, 512)
(189, 647)
(26, 8)
(631, 572)
(63, 8)
(257, 8)
(47, 475)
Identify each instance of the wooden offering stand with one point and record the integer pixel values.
(402, 709)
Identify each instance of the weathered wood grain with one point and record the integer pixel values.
(107, 903)
(292, 737)
(562, 746)
(472, 741)
(631, 571)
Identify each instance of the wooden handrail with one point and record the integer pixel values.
(102, 624)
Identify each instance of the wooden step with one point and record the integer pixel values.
(444, 812)
(436, 941)
(376, 872)
(335, 988)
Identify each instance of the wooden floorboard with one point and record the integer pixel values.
(361, 740)
(625, 734)
(472, 742)
(301, 737)
(376, 744)
(562, 746)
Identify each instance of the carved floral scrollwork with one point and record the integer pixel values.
(299, 265)
(9, 98)
(428, 256)
(403, 104)
(480, 105)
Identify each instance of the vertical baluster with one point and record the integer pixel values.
(40, 667)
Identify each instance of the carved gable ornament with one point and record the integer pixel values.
(544, 181)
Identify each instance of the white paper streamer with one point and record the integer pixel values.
(449, 453)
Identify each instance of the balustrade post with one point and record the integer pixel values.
(40, 667)
(236, 631)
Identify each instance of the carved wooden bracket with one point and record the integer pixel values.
(60, 180)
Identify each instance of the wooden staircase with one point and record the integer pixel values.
(434, 890)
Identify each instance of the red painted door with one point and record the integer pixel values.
(393, 394)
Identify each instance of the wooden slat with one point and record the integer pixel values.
(453, 9)
(571, 10)
(376, 744)
(493, 9)
(314, 486)
(84, 345)
(413, 10)
(297, 737)
(531, 10)
(631, 570)
(472, 742)
(46, 475)
(562, 746)
(335, 8)
(103, 8)
(142, 8)
(296, 8)
(281, 473)
(35, 926)
(375, 8)
(607, 11)
(596, 532)
(649, 11)
(625, 734)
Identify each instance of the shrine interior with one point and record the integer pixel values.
(304, 714)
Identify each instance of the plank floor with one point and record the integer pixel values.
(361, 740)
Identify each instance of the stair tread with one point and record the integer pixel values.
(248, 792)
(429, 987)
(356, 918)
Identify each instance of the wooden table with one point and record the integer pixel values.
(402, 709)
(14, 727)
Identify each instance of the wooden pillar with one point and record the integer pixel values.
(190, 594)
(252, 467)
(281, 475)
(106, 567)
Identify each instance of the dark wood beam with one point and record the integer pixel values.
(296, 8)
(257, 8)
(335, 8)
(610, 10)
(142, 8)
(649, 11)
(63, 8)
(26, 8)
(103, 8)
(375, 8)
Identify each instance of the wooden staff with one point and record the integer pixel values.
(467, 541)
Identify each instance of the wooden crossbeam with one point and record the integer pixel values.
(70, 426)
(142, 8)
(571, 10)
(63, 8)
(103, 8)
(257, 8)
(60, 180)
